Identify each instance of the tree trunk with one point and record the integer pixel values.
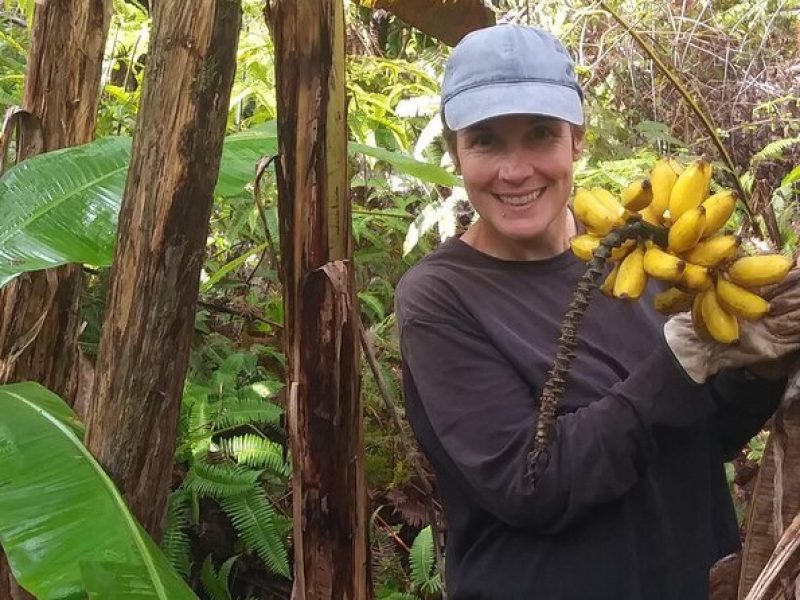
(776, 497)
(39, 317)
(145, 344)
(321, 318)
(39, 311)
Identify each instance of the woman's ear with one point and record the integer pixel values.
(577, 142)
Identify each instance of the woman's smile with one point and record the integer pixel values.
(520, 199)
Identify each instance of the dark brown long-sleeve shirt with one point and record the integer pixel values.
(634, 503)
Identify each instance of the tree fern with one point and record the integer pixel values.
(175, 543)
(220, 481)
(255, 451)
(238, 412)
(255, 520)
(421, 561)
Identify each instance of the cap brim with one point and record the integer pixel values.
(518, 98)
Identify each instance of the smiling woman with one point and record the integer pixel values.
(633, 503)
(517, 172)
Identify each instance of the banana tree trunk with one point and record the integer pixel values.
(39, 316)
(776, 500)
(39, 311)
(321, 322)
(163, 225)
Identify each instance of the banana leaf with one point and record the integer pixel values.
(62, 207)
(64, 526)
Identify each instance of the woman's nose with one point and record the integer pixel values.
(516, 166)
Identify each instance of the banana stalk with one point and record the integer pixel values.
(555, 384)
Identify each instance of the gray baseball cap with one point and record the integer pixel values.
(510, 69)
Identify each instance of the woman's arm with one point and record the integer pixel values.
(484, 415)
(744, 403)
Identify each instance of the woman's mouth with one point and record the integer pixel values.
(520, 199)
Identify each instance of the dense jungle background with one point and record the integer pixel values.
(229, 527)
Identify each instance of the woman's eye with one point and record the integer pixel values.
(482, 139)
(541, 132)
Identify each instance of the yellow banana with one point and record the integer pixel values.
(695, 278)
(740, 302)
(637, 195)
(662, 265)
(592, 213)
(690, 189)
(685, 232)
(755, 271)
(608, 200)
(623, 249)
(672, 301)
(719, 209)
(722, 325)
(583, 246)
(608, 285)
(662, 177)
(631, 279)
(651, 216)
(698, 321)
(713, 251)
(676, 166)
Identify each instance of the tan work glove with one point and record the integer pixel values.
(765, 346)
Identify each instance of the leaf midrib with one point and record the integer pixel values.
(35, 216)
(110, 487)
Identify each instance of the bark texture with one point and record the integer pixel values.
(163, 225)
(39, 318)
(39, 311)
(776, 497)
(321, 329)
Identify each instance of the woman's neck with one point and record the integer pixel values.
(483, 238)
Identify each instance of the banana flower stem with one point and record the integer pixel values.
(554, 386)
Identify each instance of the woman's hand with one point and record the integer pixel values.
(766, 347)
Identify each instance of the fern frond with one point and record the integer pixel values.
(214, 584)
(255, 451)
(220, 481)
(236, 413)
(421, 559)
(175, 543)
(202, 414)
(255, 520)
(773, 150)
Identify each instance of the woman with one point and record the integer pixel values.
(633, 503)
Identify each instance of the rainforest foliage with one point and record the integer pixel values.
(228, 530)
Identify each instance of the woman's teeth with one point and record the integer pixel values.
(521, 200)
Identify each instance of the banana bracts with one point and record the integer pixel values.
(704, 266)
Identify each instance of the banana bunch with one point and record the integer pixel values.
(703, 265)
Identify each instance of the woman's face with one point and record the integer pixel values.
(517, 171)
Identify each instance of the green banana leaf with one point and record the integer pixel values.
(62, 207)
(64, 526)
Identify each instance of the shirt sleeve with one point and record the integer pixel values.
(484, 415)
(744, 403)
